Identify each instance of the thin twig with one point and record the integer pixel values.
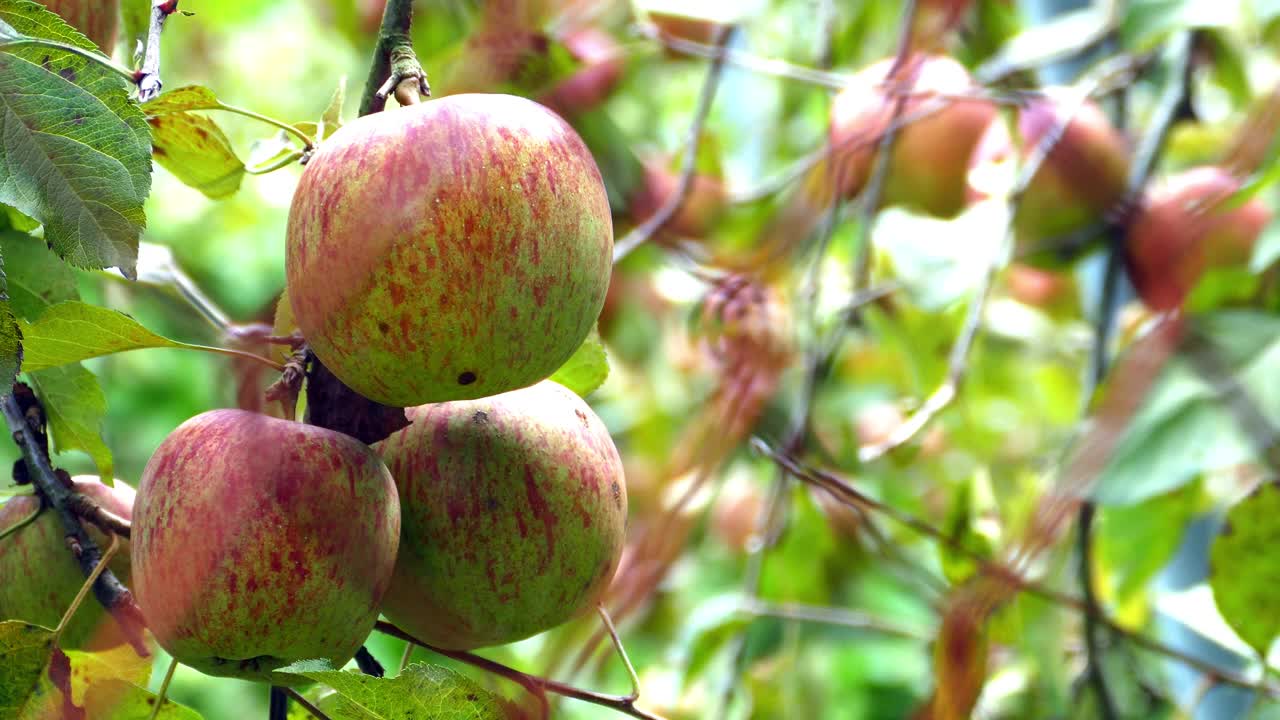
(109, 522)
(622, 651)
(164, 689)
(655, 222)
(838, 617)
(746, 61)
(84, 588)
(1149, 152)
(535, 684)
(958, 362)
(108, 590)
(819, 359)
(306, 704)
(847, 494)
(148, 76)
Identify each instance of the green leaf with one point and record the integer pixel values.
(197, 152)
(24, 653)
(712, 624)
(180, 100)
(1135, 542)
(1184, 427)
(331, 119)
(76, 408)
(113, 699)
(1246, 568)
(586, 369)
(421, 691)
(117, 663)
(77, 150)
(37, 278)
(10, 340)
(73, 331)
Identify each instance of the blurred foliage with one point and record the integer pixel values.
(833, 613)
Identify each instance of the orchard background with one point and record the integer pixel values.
(878, 466)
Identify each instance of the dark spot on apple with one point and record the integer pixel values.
(383, 327)
(617, 493)
(480, 417)
(466, 378)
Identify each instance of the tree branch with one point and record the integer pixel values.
(394, 47)
(24, 415)
(87, 509)
(1116, 231)
(850, 496)
(624, 704)
(684, 184)
(148, 76)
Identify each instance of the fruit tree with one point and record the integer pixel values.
(487, 359)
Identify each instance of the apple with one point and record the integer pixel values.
(1049, 290)
(1183, 229)
(449, 250)
(929, 163)
(589, 86)
(39, 577)
(514, 508)
(1083, 177)
(689, 28)
(258, 542)
(99, 20)
(934, 19)
(702, 208)
(734, 517)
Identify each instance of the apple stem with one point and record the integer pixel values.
(25, 417)
(622, 651)
(164, 689)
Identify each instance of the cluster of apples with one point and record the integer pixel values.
(446, 257)
(1182, 226)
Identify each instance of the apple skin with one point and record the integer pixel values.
(259, 541)
(39, 578)
(1083, 177)
(930, 159)
(588, 87)
(1182, 230)
(99, 20)
(449, 250)
(514, 510)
